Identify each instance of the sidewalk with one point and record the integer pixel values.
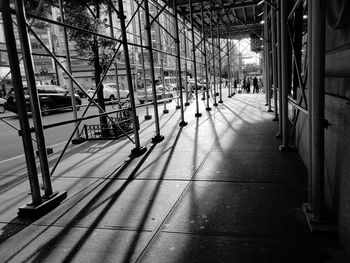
(217, 190)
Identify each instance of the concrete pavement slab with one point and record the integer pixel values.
(118, 204)
(241, 208)
(253, 166)
(180, 247)
(73, 244)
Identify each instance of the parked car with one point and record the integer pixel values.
(110, 92)
(2, 106)
(162, 92)
(51, 97)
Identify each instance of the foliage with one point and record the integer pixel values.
(31, 7)
(86, 15)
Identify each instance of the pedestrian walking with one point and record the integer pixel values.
(255, 85)
(248, 86)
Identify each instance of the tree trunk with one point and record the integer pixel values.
(98, 71)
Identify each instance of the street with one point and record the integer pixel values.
(11, 143)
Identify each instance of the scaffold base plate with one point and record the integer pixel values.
(326, 225)
(48, 204)
(157, 139)
(183, 124)
(137, 152)
(287, 148)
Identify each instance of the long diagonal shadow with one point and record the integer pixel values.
(134, 243)
(43, 252)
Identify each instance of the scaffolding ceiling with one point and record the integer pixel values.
(236, 19)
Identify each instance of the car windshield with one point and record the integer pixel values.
(110, 86)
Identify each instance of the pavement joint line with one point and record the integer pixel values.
(207, 180)
(172, 208)
(298, 238)
(88, 227)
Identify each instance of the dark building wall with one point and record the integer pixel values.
(337, 135)
(337, 140)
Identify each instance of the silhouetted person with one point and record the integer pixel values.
(255, 85)
(244, 84)
(3, 91)
(248, 86)
(234, 86)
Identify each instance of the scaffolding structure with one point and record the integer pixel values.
(192, 34)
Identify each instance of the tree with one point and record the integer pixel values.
(91, 16)
(42, 9)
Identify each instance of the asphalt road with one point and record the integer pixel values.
(11, 142)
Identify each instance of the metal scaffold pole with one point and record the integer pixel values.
(284, 76)
(198, 114)
(77, 139)
(213, 51)
(274, 61)
(267, 59)
(219, 47)
(279, 71)
(178, 63)
(187, 103)
(116, 63)
(205, 58)
(309, 80)
(147, 116)
(318, 107)
(138, 150)
(265, 55)
(34, 99)
(158, 137)
(20, 102)
(160, 57)
(228, 66)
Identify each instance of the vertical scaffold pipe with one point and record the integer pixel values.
(34, 99)
(219, 47)
(76, 140)
(147, 116)
(198, 114)
(279, 71)
(309, 80)
(160, 56)
(265, 55)
(157, 138)
(268, 59)
(205, 58)
(317, 105)
(111, 28)
(186, 74)
(20, 102)
(137, 150)
(284, 75)
(213, 51)
(228, 66)
(178, 63)
(274, 61)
